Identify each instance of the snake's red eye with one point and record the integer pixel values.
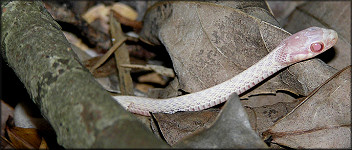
(317, 47)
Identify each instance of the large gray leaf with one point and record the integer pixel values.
(322, 120)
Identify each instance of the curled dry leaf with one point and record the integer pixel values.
(329, 14)
(98, 11)
(322, 120)
(125, 11)
(24, 138)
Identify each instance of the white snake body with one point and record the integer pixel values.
(297, 47)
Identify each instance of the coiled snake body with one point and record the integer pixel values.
(297, 47)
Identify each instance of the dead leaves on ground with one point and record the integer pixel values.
(23, 138)
(14, 137)
(124, 14)
(119, 48)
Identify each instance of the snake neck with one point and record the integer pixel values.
(243, 81)
(254, 74)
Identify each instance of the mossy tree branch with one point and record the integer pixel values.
(81, 112)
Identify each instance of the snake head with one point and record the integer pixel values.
(306, 44)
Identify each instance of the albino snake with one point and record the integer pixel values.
(297, 47)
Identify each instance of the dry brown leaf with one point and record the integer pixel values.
(170, 91)
(176, 126)
(43, 144)
(107, 68)
(95, 12)
(24, 137)
(137, 25)
(125, 11)
(21, 138)
(322, 120)
(73, 39)
(152, 78)
(143, 87)
(265, 110)
(329, 14)
(231, 129)
(261, 118)
(6, 144)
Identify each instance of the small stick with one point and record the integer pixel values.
(158, 69)
(108, 54)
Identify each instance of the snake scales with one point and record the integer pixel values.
(297, 47)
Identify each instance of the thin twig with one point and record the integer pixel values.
(158, 69)
(108, 54)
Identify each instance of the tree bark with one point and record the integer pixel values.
(81, 112)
